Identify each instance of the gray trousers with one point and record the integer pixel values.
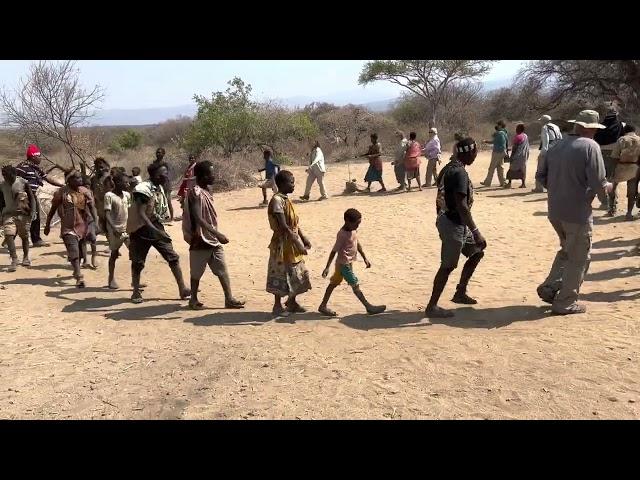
(432, 172)
(541, 165)
(399, 171)
(571, 263)
(497, 163)
(315, 175)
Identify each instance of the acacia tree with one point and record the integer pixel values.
(226, 121)
(275, 125)
(51, 103)
(593, 80)
(429, 79)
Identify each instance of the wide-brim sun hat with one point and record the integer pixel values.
(588, 119)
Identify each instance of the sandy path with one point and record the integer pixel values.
(92, 354)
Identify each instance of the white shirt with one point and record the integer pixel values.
(317, 158)
(402, 148)
(544, 136)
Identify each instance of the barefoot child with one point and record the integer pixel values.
(287, 275)
(116, 207)
(200, 230)
(75, 207)
(346, 248)
(17, 204)
(150, 206)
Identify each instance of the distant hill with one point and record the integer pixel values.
(150, 116)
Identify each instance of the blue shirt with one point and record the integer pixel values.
(271, 169)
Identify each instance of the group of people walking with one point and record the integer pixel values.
(130, 211)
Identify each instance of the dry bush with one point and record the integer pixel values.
(168, 133)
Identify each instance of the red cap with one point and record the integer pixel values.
(32, 151)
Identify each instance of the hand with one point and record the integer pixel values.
(306, 243)
(47, 230)
(608, 187)
(367, 263)
(222, 238)
(480, 240)
(325, 273)
(163, 234)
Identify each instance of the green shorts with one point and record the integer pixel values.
(344, 272)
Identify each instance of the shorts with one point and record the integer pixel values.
(75, 246)
(270, 183)
(200, 258)
(116, 240)
(13, 225)
(344, 272)
(456, 240)
(144, 238)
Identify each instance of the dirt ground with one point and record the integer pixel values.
(69, 353)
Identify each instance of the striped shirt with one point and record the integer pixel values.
(32, 173)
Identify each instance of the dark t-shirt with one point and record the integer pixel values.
(455, 179)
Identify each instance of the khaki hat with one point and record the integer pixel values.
(588, 119)
(433, 130)
(546, 118)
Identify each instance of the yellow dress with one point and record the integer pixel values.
(287, 273)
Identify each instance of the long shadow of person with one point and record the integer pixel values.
(466, 317)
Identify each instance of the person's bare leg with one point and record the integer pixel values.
(11, 246)
(77, 273)
(368, 186)
(384, 189)
(94, 255)
(278, 309)
(323, 309)
(194, 303)
(136, 270)
(371, 309)
(439, 282)
(264, 195)
(293, 306)
(467, 272)
(229, 299)
(183, 291)
(113, 285)
(26, 261)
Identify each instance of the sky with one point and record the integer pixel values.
(134, 84)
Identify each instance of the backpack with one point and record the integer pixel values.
(630, 153)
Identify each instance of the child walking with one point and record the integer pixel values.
(346, 248)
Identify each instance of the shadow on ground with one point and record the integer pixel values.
(466, 317)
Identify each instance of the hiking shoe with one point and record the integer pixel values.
(40, 243)
(305, 198)
(463, 298)
(26, 262)
(546, 294)
(571, 309)
(14, 265)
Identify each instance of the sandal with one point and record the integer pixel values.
(327, 312)
(234, 304)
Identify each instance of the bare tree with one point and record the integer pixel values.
(51, 103)
(591, 80)
(429, 79)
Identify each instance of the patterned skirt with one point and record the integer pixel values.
(287, 279)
